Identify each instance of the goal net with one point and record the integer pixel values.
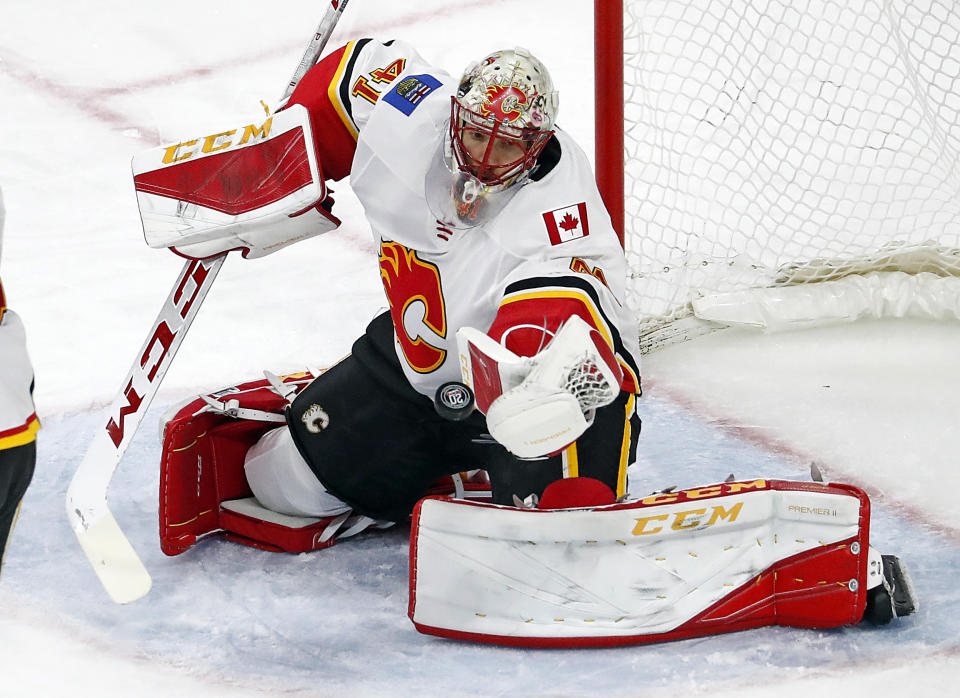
(773, 143)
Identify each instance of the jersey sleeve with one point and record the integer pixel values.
(340, 92)
(541, 295)
(573, 264)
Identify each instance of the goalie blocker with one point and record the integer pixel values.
(709, 560)
(256, 188)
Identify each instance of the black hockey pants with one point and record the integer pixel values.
(384, 444)
(16, 471)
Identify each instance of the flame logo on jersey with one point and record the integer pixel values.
(416, 305)
(504, 103)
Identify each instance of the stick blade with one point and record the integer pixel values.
(114, 560)
(107, 548)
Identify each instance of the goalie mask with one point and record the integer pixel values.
(500, 121)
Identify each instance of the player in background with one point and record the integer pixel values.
(490, 226)
(18, 420)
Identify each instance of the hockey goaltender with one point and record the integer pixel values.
(505, 284)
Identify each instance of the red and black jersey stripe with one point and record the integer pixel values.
(544, 303)
(345, 76)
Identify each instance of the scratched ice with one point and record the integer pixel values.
(86, 87)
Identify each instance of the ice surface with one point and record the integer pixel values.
(85, 87)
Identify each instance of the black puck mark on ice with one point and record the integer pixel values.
(454, 401)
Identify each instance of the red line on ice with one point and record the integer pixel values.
(762, 439)
(91, 100)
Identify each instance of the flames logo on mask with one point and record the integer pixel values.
(504, 103)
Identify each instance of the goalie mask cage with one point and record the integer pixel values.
(762, 143)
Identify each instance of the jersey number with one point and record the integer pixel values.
(363, 88)
(581, 267)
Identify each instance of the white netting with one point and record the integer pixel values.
(768, 135)
(586, 382)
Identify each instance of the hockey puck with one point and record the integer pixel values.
(454, 401)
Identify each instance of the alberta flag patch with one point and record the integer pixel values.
(409, 92)
(567, 223)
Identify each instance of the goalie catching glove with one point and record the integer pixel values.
(536, 406)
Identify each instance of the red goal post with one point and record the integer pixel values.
(608, 111)
(747, 149)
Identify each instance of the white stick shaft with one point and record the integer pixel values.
(317, 44)
(148, 370)
(113, 559)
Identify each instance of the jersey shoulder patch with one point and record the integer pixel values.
(567, 223)
(407, 94)
(368, 71)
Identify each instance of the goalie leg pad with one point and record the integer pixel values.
(203, 487)
(283, 482)
(715, 559)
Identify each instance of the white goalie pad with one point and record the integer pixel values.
(715, 559)
(255, 187)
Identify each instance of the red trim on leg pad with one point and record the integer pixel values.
(245, 521)
(673, 565)
(202, 466)
(202, 461)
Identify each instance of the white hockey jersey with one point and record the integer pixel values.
(18, 419)
(549, 253)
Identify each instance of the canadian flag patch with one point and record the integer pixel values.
(567, 223)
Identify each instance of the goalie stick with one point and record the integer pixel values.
(116, 563)
(113, 558)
